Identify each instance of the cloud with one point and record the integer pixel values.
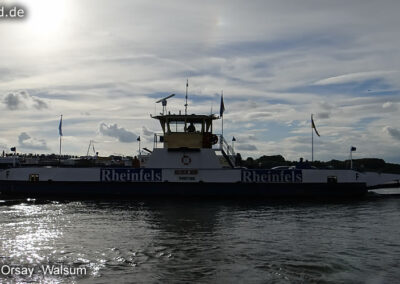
(23, 137)
(326, 110)
(389, 106)
(120, 133)
(12, 101)
(22, 100)
(325, 105)
(147, 132)
(39, 104)
(353, 77)
(26, 141)
(393, 132)
(246, 147)
(323, 115)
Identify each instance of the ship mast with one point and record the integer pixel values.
(186, 104)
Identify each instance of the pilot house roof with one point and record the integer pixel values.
(188, 118)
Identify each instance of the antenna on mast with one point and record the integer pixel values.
(164, 103)
(186, 104)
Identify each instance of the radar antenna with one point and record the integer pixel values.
(164, 103)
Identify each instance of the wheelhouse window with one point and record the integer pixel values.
(182, 126)
(176, 126)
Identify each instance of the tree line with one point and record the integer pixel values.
(365, 164)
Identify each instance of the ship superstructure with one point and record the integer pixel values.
(188, 142)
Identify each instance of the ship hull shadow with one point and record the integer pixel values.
(178, 189)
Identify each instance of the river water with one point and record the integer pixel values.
(206, 241)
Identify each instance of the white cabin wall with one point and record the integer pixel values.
(203, 159)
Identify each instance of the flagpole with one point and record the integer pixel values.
(60, 133)
(222, 95)
(221, 114)
(186, 104)
(312, 142)
(351, 159)
(222, 126)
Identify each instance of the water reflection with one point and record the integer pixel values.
(202, 240)
(29, 229)
(29, 233)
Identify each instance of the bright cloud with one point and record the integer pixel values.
(120, 133)
(354, 77)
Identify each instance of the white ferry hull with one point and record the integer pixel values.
(120, 182)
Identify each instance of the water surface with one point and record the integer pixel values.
(207, 241)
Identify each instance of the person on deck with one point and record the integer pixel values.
(191, 127)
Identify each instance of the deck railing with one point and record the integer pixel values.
(226, 149)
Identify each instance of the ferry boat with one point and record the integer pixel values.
(187, 159)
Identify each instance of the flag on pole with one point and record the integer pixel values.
(13, 149)
(138, 139)
(353, 149)
(233, 139)
(313, 125)
(222, 107)
(187, 86)
(60, 127)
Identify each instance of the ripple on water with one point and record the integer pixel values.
(206, 241)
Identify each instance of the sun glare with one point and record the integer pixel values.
(47, 21)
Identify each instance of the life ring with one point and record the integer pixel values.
(214, 139)
(186, 160)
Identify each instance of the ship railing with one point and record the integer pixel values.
(225, 146)
(226, 149)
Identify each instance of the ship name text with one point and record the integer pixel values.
(272, 176)
(131, 175)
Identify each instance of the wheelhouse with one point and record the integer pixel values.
(187, 131)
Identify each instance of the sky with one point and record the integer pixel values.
(103, 64)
